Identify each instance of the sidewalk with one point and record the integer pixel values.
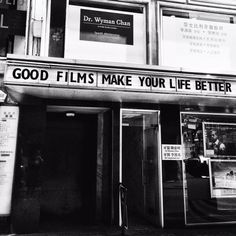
(211, 231)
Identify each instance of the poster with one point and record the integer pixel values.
(223, 178)
(219, 139)
(102, 26)
(8, 136)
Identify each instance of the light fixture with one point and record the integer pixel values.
(70, 114)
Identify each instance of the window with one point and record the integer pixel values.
(97, 32)
(215, 2)
(199, 40)
(12, 26)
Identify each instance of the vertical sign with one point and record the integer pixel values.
(9, 116)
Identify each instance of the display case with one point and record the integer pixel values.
(209, 167)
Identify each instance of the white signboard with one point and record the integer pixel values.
(8, 135)
(118, 81)
(200, 44)
(2, 96)
(216, 2)
(171, 152)
(105, 35)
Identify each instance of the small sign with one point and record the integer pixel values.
(171, 152)
(2, 96)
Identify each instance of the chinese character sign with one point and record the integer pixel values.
(193, 43)
(8, 133)
(171, 152)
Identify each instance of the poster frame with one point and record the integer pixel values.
(216, 126)
(221, 193)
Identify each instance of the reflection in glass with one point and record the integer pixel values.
(140, 165)
(206, 199)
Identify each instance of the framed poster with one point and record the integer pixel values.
(222, 178)
(104, 34)
(219, 139)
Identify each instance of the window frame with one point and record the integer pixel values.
(27, 31)
(182, 8)
(145, 4)
(215, 3)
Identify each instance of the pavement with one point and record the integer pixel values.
(138, 231)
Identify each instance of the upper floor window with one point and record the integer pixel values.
(12, 26)
(97, 32)
(225, 3)
(199, 40)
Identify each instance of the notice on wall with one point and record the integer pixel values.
(198, 44)
(171, 152)
(102, 26)
(9, 116)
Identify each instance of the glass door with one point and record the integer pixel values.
(140, 165)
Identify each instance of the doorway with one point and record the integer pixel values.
(75, 180)
(140, 167)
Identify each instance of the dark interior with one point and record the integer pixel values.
(69, 170)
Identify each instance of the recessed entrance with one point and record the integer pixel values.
(74, 177)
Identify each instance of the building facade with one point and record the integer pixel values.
(109, 107)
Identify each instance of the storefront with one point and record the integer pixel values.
(88, 135)
(94, 127)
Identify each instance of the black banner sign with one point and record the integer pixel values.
(13, 21)
(101, 26)
(5, 4)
